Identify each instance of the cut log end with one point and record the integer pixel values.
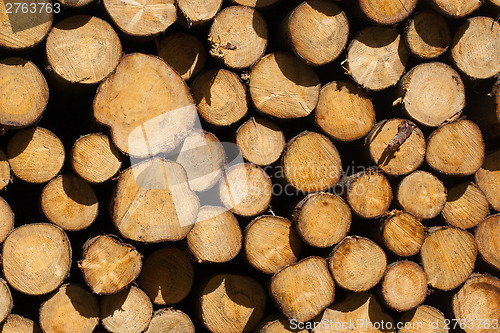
(428, 35)
(7, 220)
(424, 319)
(170, 321)
(488, 242)
(256, 3)
(448, 257)
(16, 324)
(387, 12)
(6, 303)
(357, 264)
(198, 12)
(488, 178)
(5, 176)
(465, 206)
(76, 3)
(403, 233)
(457, 8)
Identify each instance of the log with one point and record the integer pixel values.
(231, 303)
(203, 158)
(482, 290)
(166, 276)
(147, 106)
(36, 258)
(487, 240)
(128, 311)
(36, 155)
(424, 319)
(404, 286)
(402, 233)
(5, 177)
(17, 324)
(108, 265)
(344, 111)
(7, 218)
(432, 93)
(256, 3)
(221, 97)
(359, 312)
(318, 31)
(322, 219)
(69, 202)
(95, 158)
(83, 49)
(238, 37)
(357, 263)
(476, 47)
(184, 52)
(245, 189)
(369, 193)
(456, 8)
(198, 12)
(260, 141)
(145, 19)
(488, 178)
(456, 148)
(170, 321)
(6, 303)
(20, 31)
(282, 325)
(146, 208)
(283, 87)
(214, 223)
(26, 92)
(311, 163)
(397, 146)
(387, 12)
(71, 309)
(421, 194)
(448, 256)
(465, 206)
(427, 35)
(376, 58)
(76, 3)
(304, 289)
(271, 243)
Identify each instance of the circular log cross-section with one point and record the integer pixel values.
(428, 35)
(422, 194)
(221, 97)
(71, 309)
(69, 202)
(128, 311)
(432, 93)
(170, 321)
(83, 49)
(17, 324)
(425, 317)
(357, 264)
(402, 233)
(260, 141)
(488, 178)
(344, 111)
(245, 189)
(36, 258)
(404, 286)
(476, 47)
(465, 206)
(397, 146)
(197, 12)
(76, 3)
(36, 155)
(271, 243)
(456, 8)
(5, 300)
(311, 162)
(146, 104)
(166, 276)
(147, 209)
(284, 87)
(232, 303)
(456, 148)
(24, 93)
(95, 158)
(109, 265)
(7, 218)
(448, 256)
(376, 58)
(238, 37)
(318, 31)
(322, 219)
(488, 242)
(256, 3)
(184, 52)
(21, 30)
(482, 290)
(5, 177)
(143, 17)
(388, 11)
(304, 289)
(215, 223)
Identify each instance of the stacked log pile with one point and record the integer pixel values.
(249, 166)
